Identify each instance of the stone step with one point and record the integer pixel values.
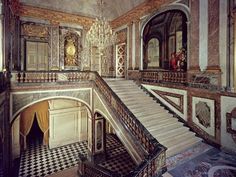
(162, 121)
(163, 126)
(134, 94)
(137, 98)
(156, 131)
(177, 148)
(132, 102)
(177, 139)
(139, 105)
(169, 134)
(146, 108)
(161, 115)
(153, 112)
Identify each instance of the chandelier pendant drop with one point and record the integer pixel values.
(100, 34)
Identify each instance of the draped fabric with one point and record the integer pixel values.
(43, 120)
(27, 119)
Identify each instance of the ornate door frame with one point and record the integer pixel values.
(121, 58)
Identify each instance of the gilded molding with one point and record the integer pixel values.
(35, 30)
(54, 16)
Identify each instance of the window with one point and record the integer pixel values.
(153, 53)
(36, 56)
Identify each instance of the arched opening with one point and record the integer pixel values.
(165, 41)
(67, 137)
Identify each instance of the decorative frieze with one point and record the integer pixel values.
(31, 29)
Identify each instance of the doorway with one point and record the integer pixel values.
(35, 136)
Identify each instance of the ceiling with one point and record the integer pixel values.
(114, 8)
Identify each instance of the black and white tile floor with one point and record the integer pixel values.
(38, 160)
(118, 160)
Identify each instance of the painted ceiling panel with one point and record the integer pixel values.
(113, 8)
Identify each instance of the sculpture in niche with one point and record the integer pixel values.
(229, 123)
(71, 50)
(203, 113)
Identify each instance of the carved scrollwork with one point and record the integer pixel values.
(203, 113)
(35, 30)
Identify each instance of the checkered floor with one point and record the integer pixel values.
(38, 160)
(118, 160)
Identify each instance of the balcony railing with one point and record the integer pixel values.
(154, 162)
(164, 77)
(49, 76)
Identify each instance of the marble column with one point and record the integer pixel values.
(213, 36)
(193, 62)
(137, 45)
(213, 64)
(130, 32)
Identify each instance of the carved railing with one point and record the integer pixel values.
(49, 76)
(164, 77)
(88, 169)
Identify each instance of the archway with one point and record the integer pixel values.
(58, 106)
(169, 25)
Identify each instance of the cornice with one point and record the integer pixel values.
(55, 17)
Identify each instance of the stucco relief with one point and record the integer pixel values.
(203, 113)
(20, 100)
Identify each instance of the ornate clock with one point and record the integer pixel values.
(70, 52)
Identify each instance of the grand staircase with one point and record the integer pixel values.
(158, 121)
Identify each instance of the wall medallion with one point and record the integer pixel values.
(203, 113)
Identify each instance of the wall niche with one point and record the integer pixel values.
(70, 48)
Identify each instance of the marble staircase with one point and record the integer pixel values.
(158, 121)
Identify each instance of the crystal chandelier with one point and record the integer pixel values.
(100, 34)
